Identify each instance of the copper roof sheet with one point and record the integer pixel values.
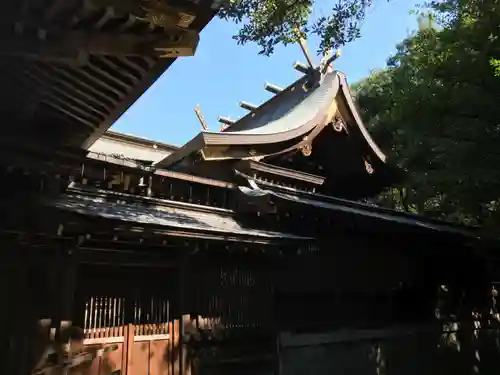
(168, 214)
(360, 209)
(282, 123)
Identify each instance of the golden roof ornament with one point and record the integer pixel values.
(159, 14)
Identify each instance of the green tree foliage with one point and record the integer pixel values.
(272, 22)
(436, 107)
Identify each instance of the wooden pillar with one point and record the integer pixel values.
(182, 286)
(184, 316)
(7, 313)
(128, 344)
(68, 274)
(16, 355)
(63, 278)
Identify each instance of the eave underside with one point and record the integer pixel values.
(70, 69)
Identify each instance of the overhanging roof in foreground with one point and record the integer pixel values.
(71, 68)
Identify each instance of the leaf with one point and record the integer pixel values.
(435, 108)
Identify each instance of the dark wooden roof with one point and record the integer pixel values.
(254, 210)
(188, 220)
(174, 218)
(71, 68)
(312, 126)
(368, 218)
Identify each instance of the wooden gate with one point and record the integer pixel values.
(138, 350)
(133, 314)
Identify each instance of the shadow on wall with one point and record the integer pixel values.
(463, 339)
(232, 318)
(66, 353)
(450, 346)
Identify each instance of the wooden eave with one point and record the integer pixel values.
(134, 140)
(356, 128)
(299, 206)
(245, 140)
(71, 68)
(171, 218)
(368, 215)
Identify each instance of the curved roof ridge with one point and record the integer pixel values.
(287, 121)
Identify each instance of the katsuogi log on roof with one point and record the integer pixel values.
(312, 126)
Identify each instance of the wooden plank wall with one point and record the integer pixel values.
(231, 327)
(228, 298)
(235, 297)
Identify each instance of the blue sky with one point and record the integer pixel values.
(222, 73)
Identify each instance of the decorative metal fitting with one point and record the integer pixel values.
(306, 149)
(368, 167)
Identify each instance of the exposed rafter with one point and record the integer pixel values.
(72, 67)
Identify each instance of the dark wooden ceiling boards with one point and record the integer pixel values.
(71, 68)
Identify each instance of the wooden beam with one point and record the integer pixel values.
(157, 13)
(251, 167)
(68, 93)
(328, 63)
(157, 68)
(48, 254)
(72, 82)
(201, 119)
(272, 88)
(248, 106)
(225, 120)
(69, 45)
(51, 96)
(352, 335)
(300, 67)
(303, 47)
(106, 61)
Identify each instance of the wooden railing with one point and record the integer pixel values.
(105, 319)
